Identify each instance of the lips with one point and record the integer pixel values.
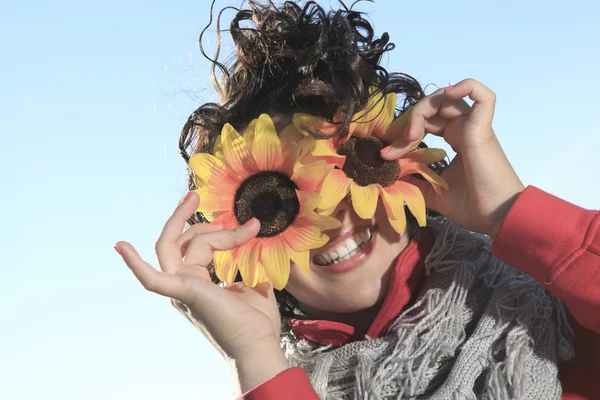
(344, 249)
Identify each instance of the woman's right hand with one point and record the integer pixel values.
(243, 323)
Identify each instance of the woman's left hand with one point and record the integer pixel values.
(483, 184)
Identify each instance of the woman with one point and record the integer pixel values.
(427, 313)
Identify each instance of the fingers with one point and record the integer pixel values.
(484, 99)
(166, 247)
(201, 247)
(197, 229)
(165, 284)
(430, 115)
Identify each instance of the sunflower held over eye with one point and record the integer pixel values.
(363, 173)
(260, 176)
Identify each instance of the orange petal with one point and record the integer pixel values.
(276, 261)
(414, 200)
(436, 181)
(393, 202)
(335, 187)
(310, 125)
(303, 237)
(266, 147)
(310, 177)
(227, 218)
(364, 200)
(301, 259)
(397, 127)
(425, 156)
(224, 266)
(237, 152)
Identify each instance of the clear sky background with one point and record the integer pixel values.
(92, 98)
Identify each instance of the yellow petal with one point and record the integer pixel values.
(276, 262)
(266, 147)
(204, 165)
(364, 200)
(414, 200)
(290, 134)
(301, 259)
(399, 224)
(236, 151)
(387, 110)
(218, 149)
(250, 131)
(426, 156)
(310, 125)
(324, 148)
(224, 266)
(393, 203)
(436, 181)
(323, 222)
(303, 237)
(396, 129)
(334, 189)
(212, 203)
(309, 201)
(327, 211)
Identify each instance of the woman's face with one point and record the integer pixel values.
(365, 252)
(351, 273)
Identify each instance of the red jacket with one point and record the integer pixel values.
(552, 240)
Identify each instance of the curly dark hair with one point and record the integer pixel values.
(292, 58)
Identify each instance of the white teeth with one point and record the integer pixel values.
(346, 250)
(342, 251)
(351, 245)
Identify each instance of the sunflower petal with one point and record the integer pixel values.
(290, 134)
(334, 189)
(227, 218)
(205, 165)
(303, 237)
(327, 211)
(236, 151)
(399, 224)
(396, 129)
(250, 131)
(425, 156)
(364, 200)
(213, 203)
(224, 266)
(310, 176)
(310, 125)
(325, 149)
(414, 200)
(436, 181)
(323, 222)
(387, 110)
(301, 259)
(309, 201)
(276, 261)
(266, 147)
(218, 149)
(393, 202)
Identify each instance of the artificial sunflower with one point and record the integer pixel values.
(362, 171)
(260, 176)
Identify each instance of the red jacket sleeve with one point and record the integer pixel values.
(291, 384)
(557, 243)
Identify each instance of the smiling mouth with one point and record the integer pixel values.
(344, 250)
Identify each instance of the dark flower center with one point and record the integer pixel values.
(364, 163)
(271, 198)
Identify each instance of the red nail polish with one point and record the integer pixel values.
(250, 222)
(449, 88)
(385, 150)
(118, 249)
(187, 196)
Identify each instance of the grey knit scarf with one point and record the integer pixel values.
(479, 330)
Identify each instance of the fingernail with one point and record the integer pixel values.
(118, 249)
(385, 149)
(216, 223)
(187, 196)
(250, 222)
(449, 88)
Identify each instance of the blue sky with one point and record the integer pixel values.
(93, 96)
